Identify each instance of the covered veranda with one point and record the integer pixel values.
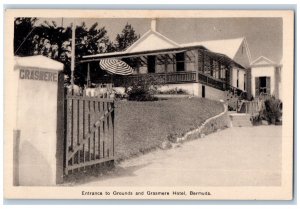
(173, 66)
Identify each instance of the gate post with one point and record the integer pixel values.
(39, 117)
(16, 144)
(60, 132)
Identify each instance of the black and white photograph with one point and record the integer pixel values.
(185, 105)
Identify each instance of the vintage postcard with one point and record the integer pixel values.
(146, 104)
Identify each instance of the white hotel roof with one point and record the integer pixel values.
(156, 43)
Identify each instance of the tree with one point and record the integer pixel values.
(54, 41)
(89, 41)
(23, 29)
(126, 38)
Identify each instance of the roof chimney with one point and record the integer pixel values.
(153, 24)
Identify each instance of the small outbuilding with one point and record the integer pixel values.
(265, 77)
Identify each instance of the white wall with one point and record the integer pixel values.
(143, 70)
(212, 93)
(279, 85)
(196, 90)
(37, 122)
(241, 78)
(191, 88)
(260, 71)
(189, 66)
(234, 77)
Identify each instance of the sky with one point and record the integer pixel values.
(264, 35)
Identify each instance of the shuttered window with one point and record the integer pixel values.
(268, 85)
(257, 86)
(262, 85)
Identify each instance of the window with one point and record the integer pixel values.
(262, 85)
(151, 64)
(237, 79)
(180, 61)
(222, 73)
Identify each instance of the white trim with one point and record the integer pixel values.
(247, 50)
(149, 32)
(138, 41)
(263, 58)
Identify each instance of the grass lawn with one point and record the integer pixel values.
(142, 126)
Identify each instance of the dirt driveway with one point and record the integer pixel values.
(239, 156)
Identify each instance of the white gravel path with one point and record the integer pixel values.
(239, 156)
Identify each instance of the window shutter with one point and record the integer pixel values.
(268, 85)
(257, 85)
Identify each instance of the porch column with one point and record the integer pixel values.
(211, 66)
(203, 61)
(219, 69)
(248, 83)
(229, 69)
(166, 63)
(138, 66)
(196, 64)
(166, 66)
(174, 62)
(88, 83)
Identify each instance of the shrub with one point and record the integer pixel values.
(142, 88)
(231, 101)
(272, 110)
(255, 119)
(174, 91)
(140, 94)
(243, 96)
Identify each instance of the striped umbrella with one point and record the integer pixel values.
(116, 66)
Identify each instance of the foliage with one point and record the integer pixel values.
(142, 88)
(272, 111)
(174, 91)
(54, 41)
(231, 100)
(140, 94)
(126, 38)
(243, 96)
(23, 28)
(255, 119)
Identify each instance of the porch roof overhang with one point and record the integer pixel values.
(223, 59)
(124, 54)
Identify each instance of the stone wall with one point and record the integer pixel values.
(211, 125)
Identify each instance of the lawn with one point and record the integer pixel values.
(142, 126)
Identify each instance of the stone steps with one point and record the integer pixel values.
(240, 120)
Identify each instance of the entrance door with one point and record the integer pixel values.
(262, 85)
(203, 91)
(180, 62)
(151, 64)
